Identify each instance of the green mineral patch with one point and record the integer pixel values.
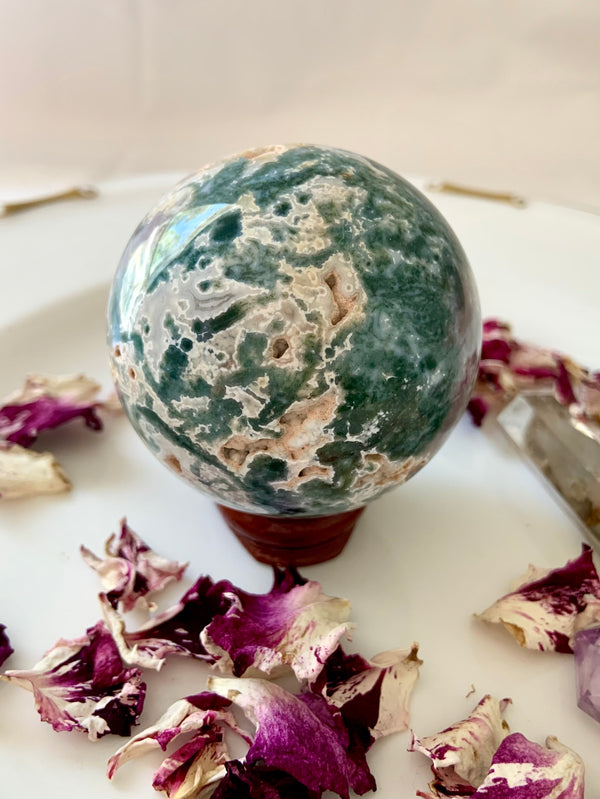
(171, 326)
(173, 364)
(282, 208)
(206, 328)
(265, 470)
(138, 344)
(254, 263)
(344, 457)
(227, 228)
(251, 351)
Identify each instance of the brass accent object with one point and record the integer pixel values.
(74, 192)
(480, 194)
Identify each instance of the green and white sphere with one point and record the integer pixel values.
(294, 330)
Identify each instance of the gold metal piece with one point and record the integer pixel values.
(481, 194)
(76, 192)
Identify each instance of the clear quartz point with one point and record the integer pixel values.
(565, 450)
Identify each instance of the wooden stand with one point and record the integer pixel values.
(294, 540)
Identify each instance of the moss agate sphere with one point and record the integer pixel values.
(294, 330)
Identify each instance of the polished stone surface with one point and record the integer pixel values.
(294, 330)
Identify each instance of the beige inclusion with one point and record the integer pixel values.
(378, 471)
(302, 433)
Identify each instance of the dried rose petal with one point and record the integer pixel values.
(300, 735)
(175, 631)
(508, 366)
(294, 625)
(197, 764)
(45, 403)
(131, 570)
(196, 723)
(462, 754)
(24, 473)
(587, 670)
(253, 782)
(543, 612)
(372, 695)
(6, 649)
(522, 769)
(81, 684)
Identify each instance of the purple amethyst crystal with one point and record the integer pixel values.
(587, 671)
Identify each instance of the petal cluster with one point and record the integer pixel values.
(303, 743)
(508, 366)
(294, 625)
(478, 757)
(44, 403)
(300, 742)
(194, 726)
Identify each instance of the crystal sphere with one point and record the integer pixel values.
(294, 330)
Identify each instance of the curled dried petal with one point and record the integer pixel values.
(48, 402)
(294, 625)
(195, 723)
(24, 473)
(176, 631)
(81, 685)
(300, 735)
(372, 695)
(522, 769)
(131, 570)
(544, 611)
(461, 755)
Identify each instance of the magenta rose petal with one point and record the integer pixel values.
(243, 781)
(48, 402)
(81, 684)
(131, 570)
(6, 649)
(294, 625)
(300, 735)
(461, 755)
(194, 726)
(372, 695)
(545, 611)
(176, 631)
(522, 769)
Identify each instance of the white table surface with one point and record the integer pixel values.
(423, 559)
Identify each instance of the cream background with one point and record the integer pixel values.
(503, 94)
